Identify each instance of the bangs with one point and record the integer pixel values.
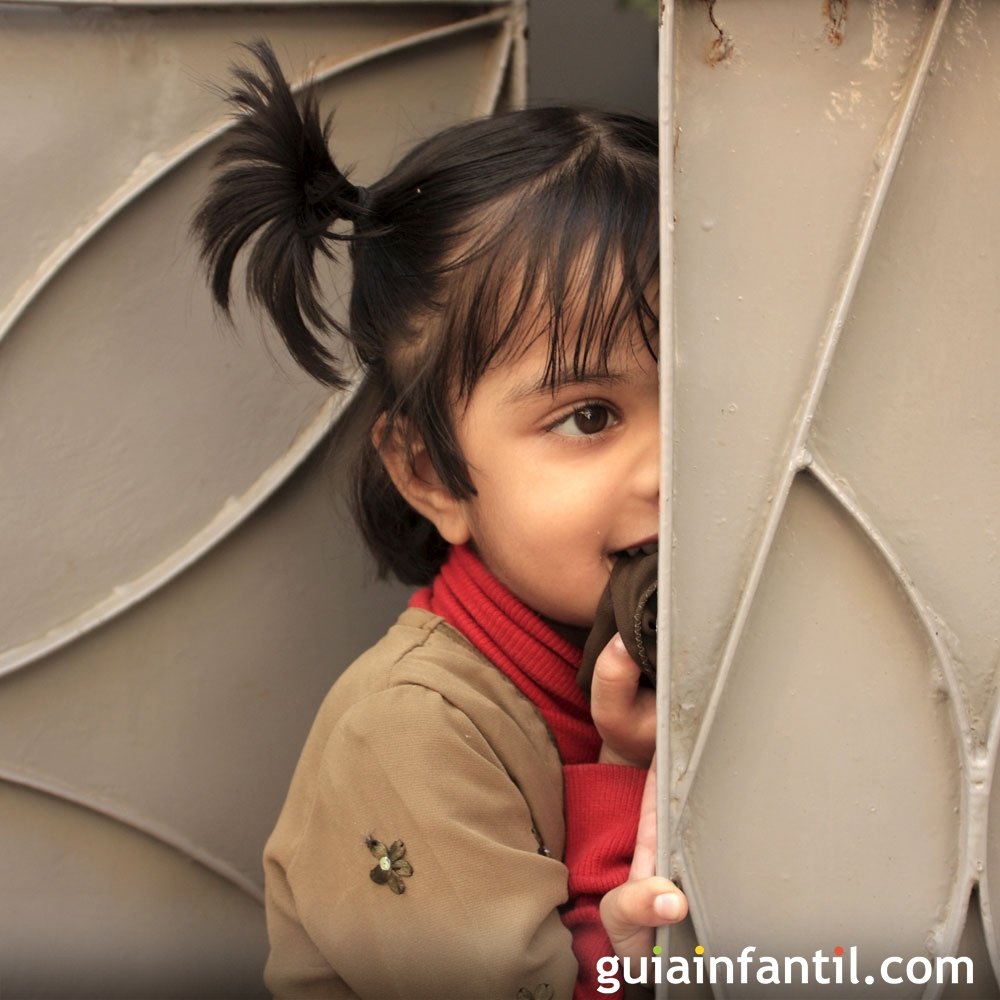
(573, 259)
(536, 227)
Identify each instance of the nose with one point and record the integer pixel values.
(646, 467)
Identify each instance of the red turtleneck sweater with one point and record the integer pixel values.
(601, 800)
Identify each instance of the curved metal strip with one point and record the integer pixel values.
(930, 621)
(887, 158)
(491, 94)
(949, 920)
(183, 4)
(153, 167)
(989, 925)
(974, 793)
(231, 515)
(519, 55)
(151, 828)
(238, 509)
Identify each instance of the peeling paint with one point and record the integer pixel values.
(835, 12)
(722, 45)
(968, 28)
(845, 103)
(880, 36)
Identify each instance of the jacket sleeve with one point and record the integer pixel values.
(477, 918)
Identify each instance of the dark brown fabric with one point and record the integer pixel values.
(627, 606)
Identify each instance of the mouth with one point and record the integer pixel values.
(647, 548)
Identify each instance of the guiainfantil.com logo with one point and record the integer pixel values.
(748, 966)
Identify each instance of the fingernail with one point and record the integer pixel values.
(618, 643)
(668, 906)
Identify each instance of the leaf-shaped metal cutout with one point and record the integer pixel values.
(120, 342)
(768, 209)
(830, 777)
(167, 469)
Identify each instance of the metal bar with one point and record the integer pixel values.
(986, 908)
(519, 56)
(153, 829)
(974, 798)
(277, 4)
(232, 514)
(153, 168)
(887, 158)
(490, 94)
(237, 509)
(666, 353)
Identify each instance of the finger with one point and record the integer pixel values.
(644, 858)
(624, 713)
(616, 678)
(615, 694)
(631, 909)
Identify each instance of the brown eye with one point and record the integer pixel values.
(586, 420)
(591, 419)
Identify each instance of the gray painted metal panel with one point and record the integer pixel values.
(832, 590)
(180, 590)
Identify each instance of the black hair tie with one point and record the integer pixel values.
(324, 205)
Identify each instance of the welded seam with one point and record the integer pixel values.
(888, 157)
(153, 829)
(141, 180)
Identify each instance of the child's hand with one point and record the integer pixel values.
(631, 911)
(624, 713)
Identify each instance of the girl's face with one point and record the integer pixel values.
(565, 480)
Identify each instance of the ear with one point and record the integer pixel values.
(410, 468)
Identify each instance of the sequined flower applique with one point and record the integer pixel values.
(392, 865)
(541, 992)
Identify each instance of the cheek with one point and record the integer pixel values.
(513, 503)
(540, 515)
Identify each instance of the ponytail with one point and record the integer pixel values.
(279, 180)
(479, 237)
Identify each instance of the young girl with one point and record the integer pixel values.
(460, 808)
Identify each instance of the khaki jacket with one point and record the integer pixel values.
(422, 741)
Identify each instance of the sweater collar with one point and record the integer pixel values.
(541, 663)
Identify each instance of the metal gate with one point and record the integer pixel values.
(168, 545)
(831, 244)
(832, 236)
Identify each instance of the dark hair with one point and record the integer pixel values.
(485, 236)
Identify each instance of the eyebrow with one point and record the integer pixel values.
(543, 387)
